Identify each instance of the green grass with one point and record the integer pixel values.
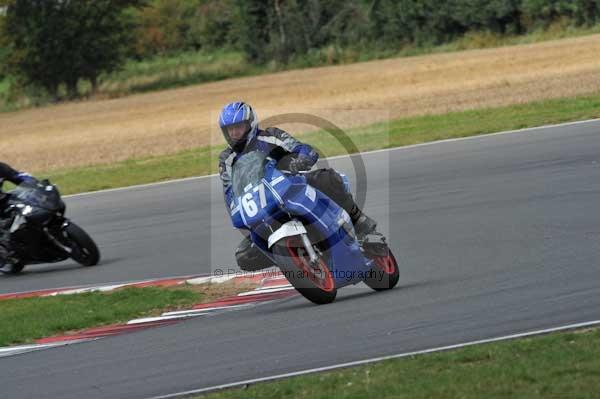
(565, 365)
(196, 162)
(397, 133)
(181, 70)
(24, 320)
(423, 129)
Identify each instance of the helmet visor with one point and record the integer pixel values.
(236, 132)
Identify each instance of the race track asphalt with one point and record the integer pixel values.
(496, 235)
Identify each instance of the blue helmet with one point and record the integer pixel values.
(239, 124)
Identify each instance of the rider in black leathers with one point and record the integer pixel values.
(15, 177)
(239, 125)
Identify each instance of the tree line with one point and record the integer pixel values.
(58, 43)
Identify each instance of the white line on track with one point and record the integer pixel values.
(379, 359)
(479, 136)
(113, 283)
(208, 310)
(18, 350)
(269, 290)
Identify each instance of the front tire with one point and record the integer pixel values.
(315, 283)
(84, 249)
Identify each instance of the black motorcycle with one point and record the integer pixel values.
(39, 230)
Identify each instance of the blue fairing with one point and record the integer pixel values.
(277, 196)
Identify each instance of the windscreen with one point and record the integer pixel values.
(40, 196)
(247, 171)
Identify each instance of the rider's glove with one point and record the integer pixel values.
(299, 163)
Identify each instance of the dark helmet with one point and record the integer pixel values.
(239, 124)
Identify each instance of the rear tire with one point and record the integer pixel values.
(85, 250)
(385, 273)
(315, 284)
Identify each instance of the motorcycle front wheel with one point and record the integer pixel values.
(84, 249)
(314, 282)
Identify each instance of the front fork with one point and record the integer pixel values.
(57, 242)
(312, 255)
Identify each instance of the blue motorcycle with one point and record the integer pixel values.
(306, 234)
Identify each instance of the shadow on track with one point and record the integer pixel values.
(67, 266)
(301, 303)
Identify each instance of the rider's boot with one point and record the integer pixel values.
(249, 258)
(373, 243)
(5, 253)
(5, 265)
(363, 225)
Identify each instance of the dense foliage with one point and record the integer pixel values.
(54, 42)
(279, 29)
(58, 43)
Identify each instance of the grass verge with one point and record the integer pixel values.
(565, 365)
(182, 70)
(397, 133)
(24, 320)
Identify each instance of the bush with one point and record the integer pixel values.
(172, 26)
(293, 28)
(210, 26)
(541, 13)
(162, 26)
(54, 43)
(3, 61)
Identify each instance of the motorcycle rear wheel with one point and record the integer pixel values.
(314, 283)
(385, 273)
